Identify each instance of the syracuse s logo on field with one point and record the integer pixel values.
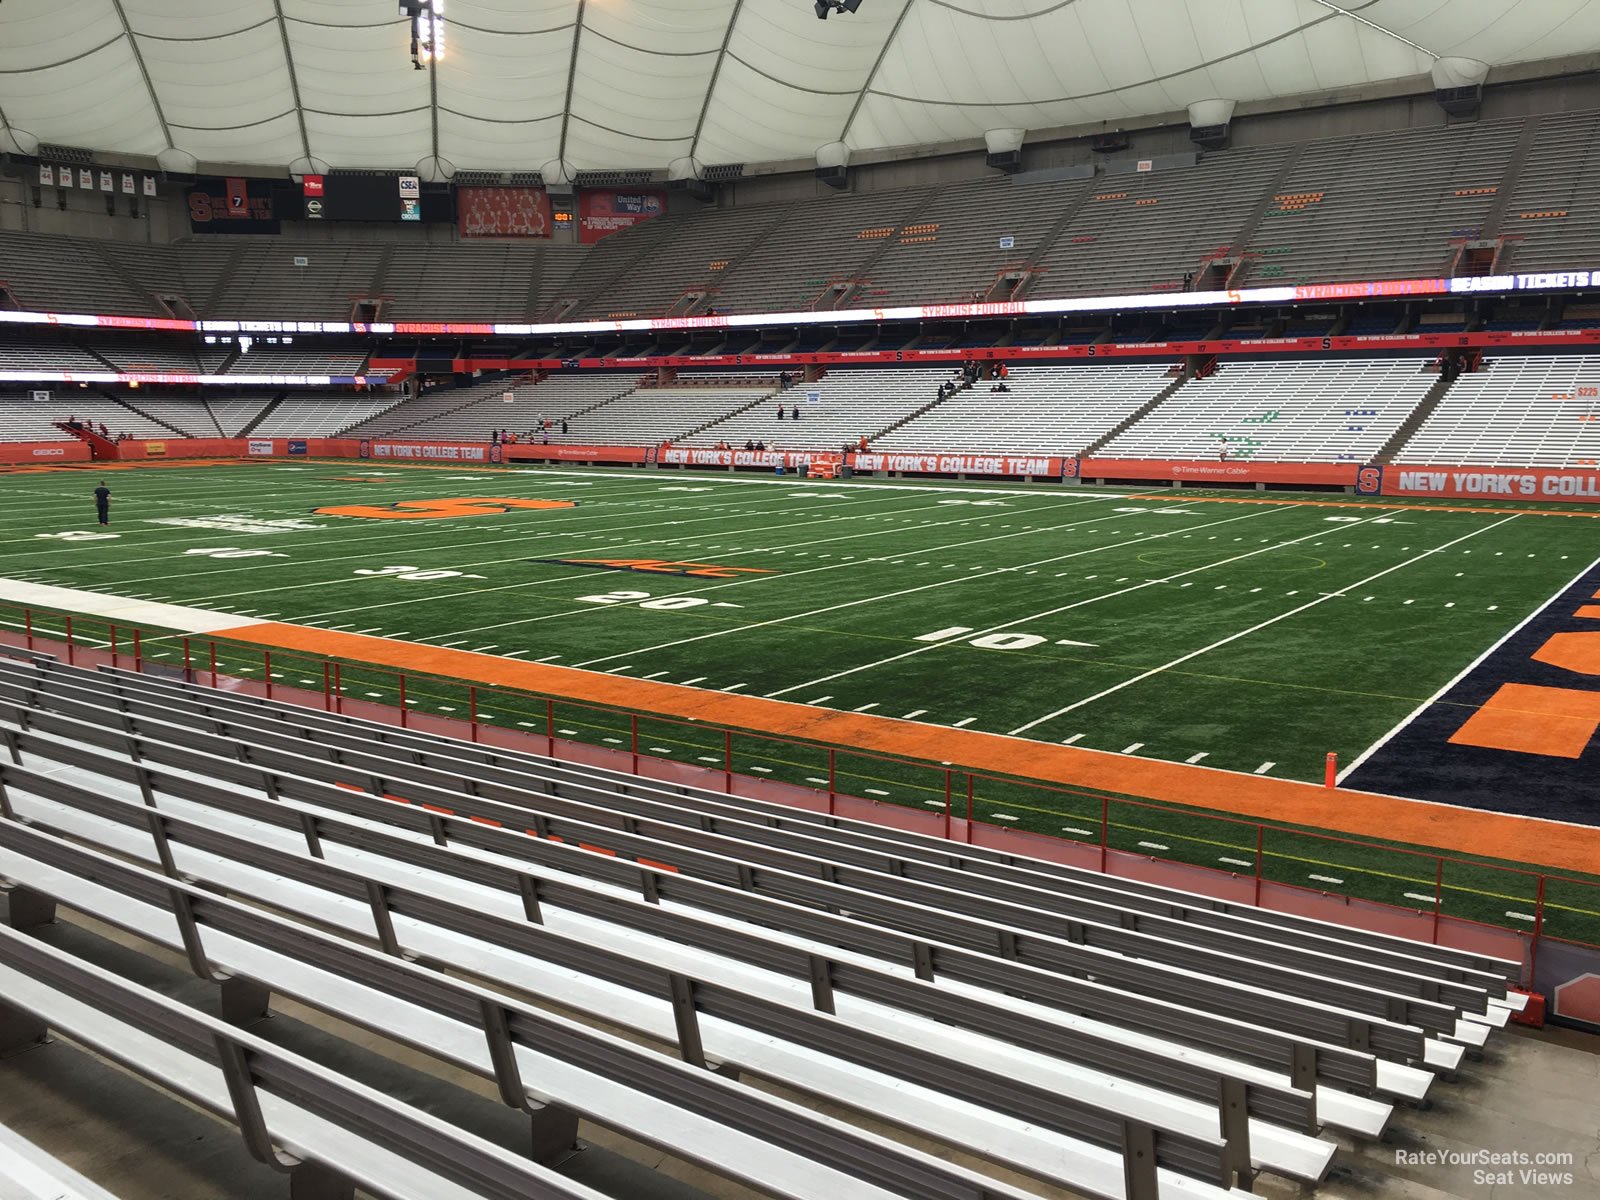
(454, 506)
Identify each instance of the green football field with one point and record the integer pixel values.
(1198, 628)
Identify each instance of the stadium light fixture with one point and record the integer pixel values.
(824, 7)
(427, 31)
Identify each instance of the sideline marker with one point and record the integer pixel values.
(1330, 776)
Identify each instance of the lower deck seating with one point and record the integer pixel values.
(650, 416)
(323, 414)
(1518, 410)
(1170, 1046)
(1331, 410)
(842, 407)
(28, 1173)
(1059, 410)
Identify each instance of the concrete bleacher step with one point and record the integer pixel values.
(28, 1173)
(134, 408)
(1494, 219)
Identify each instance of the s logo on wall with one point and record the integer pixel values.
(365, 449)
(1369, 481)
(1069, 467)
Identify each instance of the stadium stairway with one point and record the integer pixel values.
(910, 417)
(1185, 374)
(1494, 219)
(263, 414)
(1424, 409)
(1252, 222)
(134, 408)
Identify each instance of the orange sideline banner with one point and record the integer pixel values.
(1201, 471)
(43, 452)
(536, 452)
(1579, 484)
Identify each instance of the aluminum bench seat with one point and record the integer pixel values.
(284, 1104)
(888, 1098)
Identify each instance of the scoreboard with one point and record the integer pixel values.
(374, 197)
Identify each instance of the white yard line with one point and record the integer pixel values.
(1256, 628)
(942, 583)
(963, 637)
(1462, 674)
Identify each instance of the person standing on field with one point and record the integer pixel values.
(102, 503)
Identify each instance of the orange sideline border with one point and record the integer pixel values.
(1500, 836)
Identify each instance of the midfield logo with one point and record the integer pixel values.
(657, 566)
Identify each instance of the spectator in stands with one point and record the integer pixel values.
(494, 437)
(785, 380)
(861, 445)
(749, 445)
(780, 412)
(760, 445)
(796, 414)
(1222, 448)
(563, 425)
(104, 432)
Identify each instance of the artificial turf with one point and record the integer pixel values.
(1197, 627)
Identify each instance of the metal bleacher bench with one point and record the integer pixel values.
(1135, 1040)
(328, 1133)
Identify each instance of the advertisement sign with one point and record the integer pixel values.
(602, 212)
(1492, 483)
(503, 212)
(235, 205)
(260, 447)
(297, 446)
(155, 449)
(1234, 471)
(432, 451)
(1014, 465)
(39, 396)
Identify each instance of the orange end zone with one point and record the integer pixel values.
(1358, 814)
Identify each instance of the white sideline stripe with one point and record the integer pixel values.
(1418, 896)
(915, 712)
(1194, 758)
(1132, 748)
(1265, 767)
(1256, 628)
(1237, 862)
(1325, 878)
(1074, 738)
(1079, 832)
(1154, 846)
(1463, 673)
(964, 722)
(121, 610)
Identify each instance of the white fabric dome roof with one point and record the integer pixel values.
(634, 84)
